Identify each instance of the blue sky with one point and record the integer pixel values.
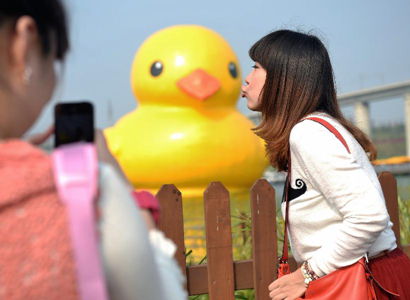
(368, 40)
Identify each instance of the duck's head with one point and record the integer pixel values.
(186, 65)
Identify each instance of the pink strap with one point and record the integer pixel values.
(76, 172)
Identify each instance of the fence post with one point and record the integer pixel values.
(389, 187)
(219, 242)
(264, 238)
(171, 220)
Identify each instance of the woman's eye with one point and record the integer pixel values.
(156, 68)
(254, 67)
(233, 70)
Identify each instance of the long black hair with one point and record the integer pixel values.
(299, 81)
(49, 16)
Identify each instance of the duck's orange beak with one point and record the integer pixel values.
(199, 84)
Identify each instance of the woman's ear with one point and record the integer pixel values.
(24, 47)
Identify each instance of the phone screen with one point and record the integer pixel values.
(74, 122)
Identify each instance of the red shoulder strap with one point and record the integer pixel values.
(331, 129)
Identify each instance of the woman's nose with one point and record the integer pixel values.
(247, 80)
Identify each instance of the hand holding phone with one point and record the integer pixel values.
(74, 122)
(40, 138)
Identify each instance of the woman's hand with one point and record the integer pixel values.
(288, 287)
(38, 139)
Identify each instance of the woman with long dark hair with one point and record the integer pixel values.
(337, 213)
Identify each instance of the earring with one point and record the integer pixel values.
(27, 75)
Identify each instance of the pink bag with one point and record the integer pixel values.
(76, 177)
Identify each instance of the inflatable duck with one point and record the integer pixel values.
(186, 129)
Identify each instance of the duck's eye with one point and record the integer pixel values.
(233, 70)
(156, 68)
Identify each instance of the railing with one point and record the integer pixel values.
(221, 276)
(361, 100)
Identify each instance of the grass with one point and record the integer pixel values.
(404, 207)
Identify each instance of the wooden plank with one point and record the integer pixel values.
(243, 273)
(198, 283)
(197, 278)
(219, 242)
(389, 187)
(171, 220)
(264, 238)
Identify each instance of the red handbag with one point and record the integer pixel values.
(354, 282)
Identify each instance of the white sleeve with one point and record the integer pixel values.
(348, 189)
(171, 276)
(128, 257)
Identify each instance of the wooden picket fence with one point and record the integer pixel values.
(221, 276)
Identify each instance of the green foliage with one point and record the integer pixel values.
(242, 235)
(389, 140)
(404, 207)
(190, 262)
(245, 294)
(241, 294)
(199, 297)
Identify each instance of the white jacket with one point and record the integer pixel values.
(337, 210)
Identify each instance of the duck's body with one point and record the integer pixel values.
(187, 130)
(187, 148)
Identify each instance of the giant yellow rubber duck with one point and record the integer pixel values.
(186, 129)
